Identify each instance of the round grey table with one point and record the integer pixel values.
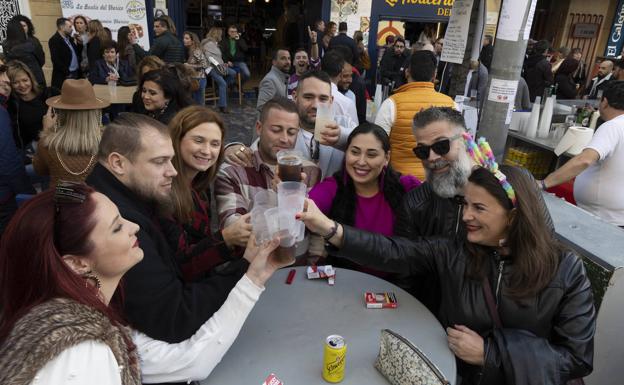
(285, 332)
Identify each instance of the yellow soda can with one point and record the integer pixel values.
(334, 358)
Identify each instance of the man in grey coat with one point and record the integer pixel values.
(275, 82)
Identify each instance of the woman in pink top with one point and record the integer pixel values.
(367, 191)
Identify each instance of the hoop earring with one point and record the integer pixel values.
(89, 276)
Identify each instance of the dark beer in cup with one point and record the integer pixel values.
(290, 166)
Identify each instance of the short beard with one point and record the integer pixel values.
(163, 204)
(452, 182)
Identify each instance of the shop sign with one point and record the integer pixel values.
(585, 30)
(419, 8)
(615, 41)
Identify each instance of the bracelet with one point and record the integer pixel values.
(332, 232)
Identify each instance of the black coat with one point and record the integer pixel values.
(100, 71)
(392, 67)
(28, 53)
(566, 87)
(157, 300)
(167, 46)
(547, 339)
(538, 75)
(343, 39)
(61, 58)
(241, 49)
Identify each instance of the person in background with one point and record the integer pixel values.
(618, 69)
(598, 168)
(124, 46)
(197, 135)
(233, 49)
(162, 95)
(363, 58)
(353, 85)
(487, 51)
(330, 31)
(197, 62)
(82, 37)
(97, 38)
(302, 64)
(522, 100)
(382, 50)
(601, 81)
(275, 82)
(333, 64)
(27, 107)
(392, 66)
(73, 247)
(220, 73)
(580, 75)
(166, 45)
(148, 63)
(566, 87)
(560, 55)
(319, 28)
(367, 192)
(477, 86)
(437, 49)
(397, 112)
(71, 133)
(517, 305)
(17, 46)
(343, 39)
(112, 68)
(13, 179)
(65, 54)
(537, 70)
(29, 29)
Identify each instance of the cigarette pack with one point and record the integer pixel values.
(386, 300)
(272, 380)
(327, 271)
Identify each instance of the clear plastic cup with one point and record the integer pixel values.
(267, 198)
(259, 224)
(291, 196)
(112, 87)
(324, 116)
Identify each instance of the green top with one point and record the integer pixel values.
(232, 47)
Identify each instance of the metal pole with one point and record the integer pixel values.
(506, 66)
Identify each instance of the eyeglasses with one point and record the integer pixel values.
(441, 147)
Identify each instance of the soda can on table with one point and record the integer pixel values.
(334, 358)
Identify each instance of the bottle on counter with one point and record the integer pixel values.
(583, 116)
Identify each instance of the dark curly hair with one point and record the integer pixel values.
(343, 206)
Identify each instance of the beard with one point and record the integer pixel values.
(452, 182)
(164, 204)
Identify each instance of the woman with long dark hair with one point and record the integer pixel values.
(18, 46)
(124, 46)
(564, 79)
(97, 37)
(197, 133)
(162, 95)
(366, 192)
(61, 261)
(518, 306)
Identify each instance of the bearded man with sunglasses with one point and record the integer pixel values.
(396, 113)
(435, 207)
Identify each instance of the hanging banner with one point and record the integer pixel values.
(456, 34)
(113, 14)
(615, 39)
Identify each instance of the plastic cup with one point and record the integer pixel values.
(267, 198)
(290, 165)
(259, 224)
(324, 116)
(112, 87)
(283, 225)
(291, 196)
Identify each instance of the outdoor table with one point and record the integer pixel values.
(285, 332)
(122, 96)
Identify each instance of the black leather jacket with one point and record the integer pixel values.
(545, 340)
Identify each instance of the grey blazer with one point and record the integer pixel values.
(274, 83)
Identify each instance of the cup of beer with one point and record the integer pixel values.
(290, 164)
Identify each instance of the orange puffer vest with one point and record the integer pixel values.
(409, 99)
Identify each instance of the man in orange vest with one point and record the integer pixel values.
(397, 112)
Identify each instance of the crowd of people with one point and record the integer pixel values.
(137, 258)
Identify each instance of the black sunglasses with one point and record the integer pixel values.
(441, 147)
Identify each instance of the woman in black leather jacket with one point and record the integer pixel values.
(540, 292)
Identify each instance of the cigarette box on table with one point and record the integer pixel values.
(386, 300)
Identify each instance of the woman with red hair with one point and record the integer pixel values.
(61, 260)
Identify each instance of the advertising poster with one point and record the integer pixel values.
(113, 14)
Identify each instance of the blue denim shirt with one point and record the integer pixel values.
(73, 66)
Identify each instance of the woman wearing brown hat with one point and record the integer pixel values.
(71, 133)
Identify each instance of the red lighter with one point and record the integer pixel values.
(291, 276)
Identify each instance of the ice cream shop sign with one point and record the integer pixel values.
(439, 8)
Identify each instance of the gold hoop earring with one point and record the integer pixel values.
(89, 276)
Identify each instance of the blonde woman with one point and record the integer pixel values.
(71, 133)
(196, 61)
(221, 74)
(97, 37)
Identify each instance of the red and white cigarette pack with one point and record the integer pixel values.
(386, 300)
(272, 380)
(317, 272)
